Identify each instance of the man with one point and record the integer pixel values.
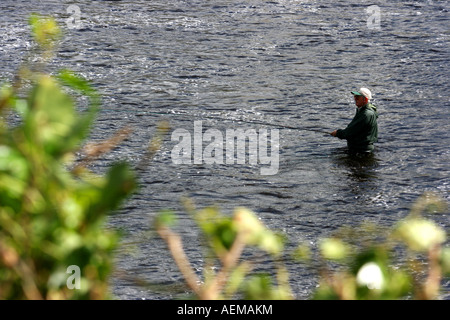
(362, 131)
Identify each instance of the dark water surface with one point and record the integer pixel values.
(293, 63)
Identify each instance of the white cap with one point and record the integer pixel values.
(363, 92)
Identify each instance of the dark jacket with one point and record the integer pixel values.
(362, 131)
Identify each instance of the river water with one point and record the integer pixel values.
(287, 62)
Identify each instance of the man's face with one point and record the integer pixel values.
(360, 100)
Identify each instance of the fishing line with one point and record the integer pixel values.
(242, 120)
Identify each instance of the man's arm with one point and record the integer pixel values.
(353, 128)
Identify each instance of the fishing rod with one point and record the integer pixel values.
(247, 121)
(283, 126)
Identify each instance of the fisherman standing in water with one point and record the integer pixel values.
(362, 131)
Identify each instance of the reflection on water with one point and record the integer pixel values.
(361, 167)
(360, 180)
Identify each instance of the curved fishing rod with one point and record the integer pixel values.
(246, 121)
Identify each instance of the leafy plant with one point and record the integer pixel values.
(226, 237)
(51, 217)
(354, 264)
(366, 258)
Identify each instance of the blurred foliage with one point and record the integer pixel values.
(226, 237)
(365, 258)
(355, 263)
(52, 217)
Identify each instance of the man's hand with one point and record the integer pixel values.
(334, 133)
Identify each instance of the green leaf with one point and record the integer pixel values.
(120, 182)
(302, 252)
(79, 84)
(165, 218)
(255, 233)
(420, 234)
(45, 30)
(219, 229)
(236, 279)
(333, 249)
(51, 117)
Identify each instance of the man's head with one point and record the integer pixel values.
(362, 97)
